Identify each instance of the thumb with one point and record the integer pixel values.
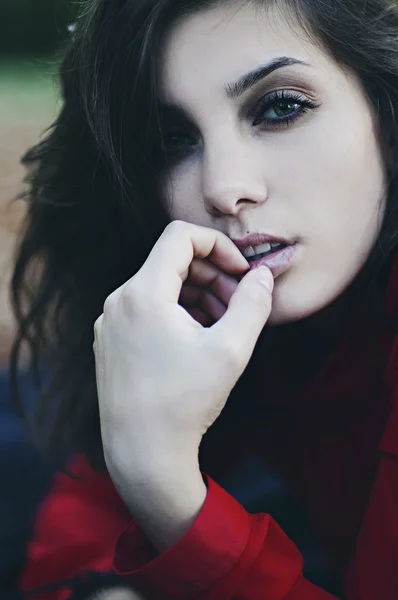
(248, 311)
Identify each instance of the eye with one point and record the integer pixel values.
(281, 108)
(176, 143)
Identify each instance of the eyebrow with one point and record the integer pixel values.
(238, 88)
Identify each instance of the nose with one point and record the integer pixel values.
(233, 178)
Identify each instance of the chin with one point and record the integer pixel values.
(281, 315)
(299, 294)
(289, 307)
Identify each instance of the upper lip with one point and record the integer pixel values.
(256, 239)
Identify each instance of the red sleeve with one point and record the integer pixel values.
(75, 534)
(228, 553)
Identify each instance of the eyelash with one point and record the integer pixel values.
(257, 116)
(281, 97)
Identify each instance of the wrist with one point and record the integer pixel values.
(151, 457)
(175, 484)
(166, 505)
(150, 465)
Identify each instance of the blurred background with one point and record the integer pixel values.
(31, 34)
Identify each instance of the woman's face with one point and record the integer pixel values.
(292, 154)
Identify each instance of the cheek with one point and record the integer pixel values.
(337, 196)
(337, 183)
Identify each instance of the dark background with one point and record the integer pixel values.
(31, 33)
(34, 27)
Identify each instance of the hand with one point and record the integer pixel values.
(162, 377)
(207, 291)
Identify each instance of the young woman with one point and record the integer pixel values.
(219, 198)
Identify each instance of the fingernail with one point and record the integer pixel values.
(265, 277)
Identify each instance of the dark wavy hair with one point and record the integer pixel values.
(94, 210)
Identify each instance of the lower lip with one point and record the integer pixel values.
(279, 262)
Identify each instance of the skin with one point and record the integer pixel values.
(118, 594)
(162, 377)
(320, 180)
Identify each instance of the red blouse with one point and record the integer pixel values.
(339, 449)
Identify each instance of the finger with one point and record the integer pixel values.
(206, 274)
(168, 264)
(212, 306)
(201, 317)
(190, 295)
(247, 313)
(196, 297)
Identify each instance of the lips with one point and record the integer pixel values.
(277, 253)
(258, 243)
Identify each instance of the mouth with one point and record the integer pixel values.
(253, 253)
(262, 249)
(259, 245)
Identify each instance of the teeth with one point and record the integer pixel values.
(253, 250)
(263, 248)
(248, 252)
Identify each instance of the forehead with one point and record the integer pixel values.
(218, 45)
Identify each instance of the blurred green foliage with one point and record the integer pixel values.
(35, 26)
(28, 90)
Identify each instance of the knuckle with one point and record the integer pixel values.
(134, 298)
(109, 303)
(179, 224)
(176, 227)
(97, 326)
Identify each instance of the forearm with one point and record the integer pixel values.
(165, 506)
